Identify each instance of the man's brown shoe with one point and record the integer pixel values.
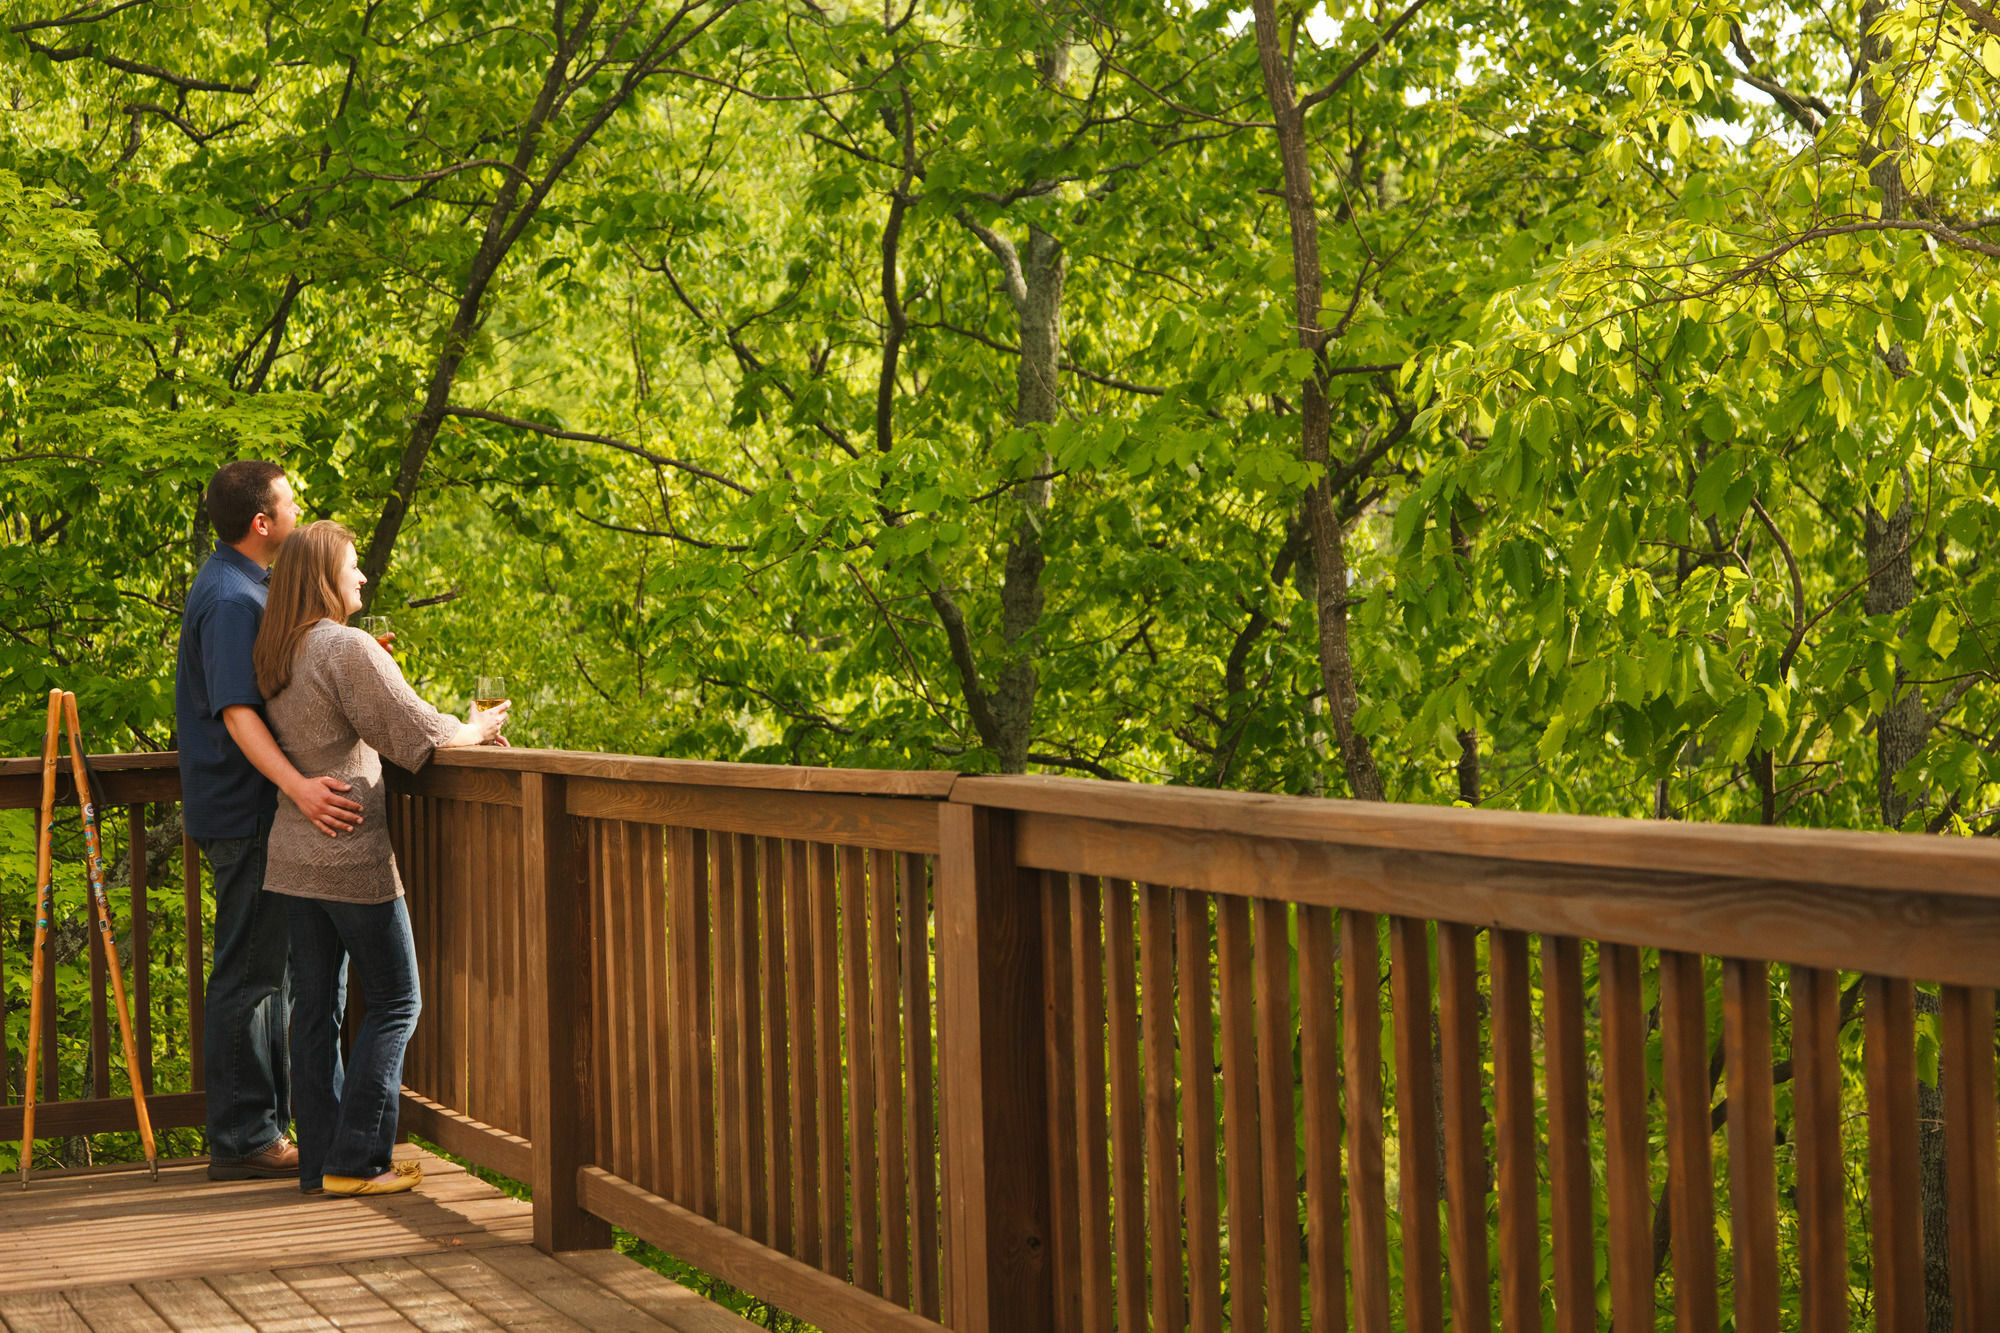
(277, 1162)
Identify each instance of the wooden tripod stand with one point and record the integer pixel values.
(62, 710)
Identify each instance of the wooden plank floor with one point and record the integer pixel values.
(118, 1251)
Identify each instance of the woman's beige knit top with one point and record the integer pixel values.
(346, 708)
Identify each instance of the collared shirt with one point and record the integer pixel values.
(222, 793)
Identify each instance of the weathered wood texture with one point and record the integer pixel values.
(193, 1254)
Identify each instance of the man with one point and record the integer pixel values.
(231, 772)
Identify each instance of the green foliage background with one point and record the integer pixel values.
(668, 362)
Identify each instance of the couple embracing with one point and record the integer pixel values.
(284, 714)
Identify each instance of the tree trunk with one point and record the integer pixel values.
(1329, 539)
(1903, 724)
(1034, 284)
(1468, 766)
(1040, 310)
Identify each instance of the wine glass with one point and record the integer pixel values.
(490, 693)
(379, 629)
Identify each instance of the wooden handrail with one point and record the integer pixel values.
(1841, 858)
(702, 773)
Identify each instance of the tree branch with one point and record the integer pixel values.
(89, 51)
(978, 702)
(672, 534)
(1003, 250)
(180, 122)
(1798, 591)
(555, 432)
(1367, 53)
(1108, 381)
(1983, 17)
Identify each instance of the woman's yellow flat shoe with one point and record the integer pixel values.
(408, 1176)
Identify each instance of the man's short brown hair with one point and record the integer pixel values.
(237, 493)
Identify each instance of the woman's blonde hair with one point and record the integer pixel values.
(305, 589)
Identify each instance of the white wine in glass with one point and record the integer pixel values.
(491, 693)
(379, 629)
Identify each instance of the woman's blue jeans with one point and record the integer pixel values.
(347, 1115)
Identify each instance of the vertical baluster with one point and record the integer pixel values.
(1086, 948)
(477, 926)
(1628, 1186)
(887, 1030)
(835, 1250)
(620, 987)
(1163, 1173)
(1276, 1118)
(777, 1046)
(1464, 1127)
(1416, 1124)
(807, 1109)
(862, 1145)
(1889, 1055)
(423, 839)
(1690, 1170)
(1514, 1133)
(750, 1046)
(1821, 1183)
(1753, 1171)
(1970, 1128)
(1129, 1169)
(512, 958)
(1361, 1033)
(100, 984)
(638, 1077)
(467, 909)
(1204, 1221)
(1242, 1158)
(1128, 1187)
(920, 1087)
(142, 955)
(730, 1203)
(1569, 1135)
(694, 1035)
(659, 1015)
(1065, 1188)
(1319, 1071)
(513, 936)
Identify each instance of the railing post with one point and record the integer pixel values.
(558, 1065)
(993, 1078)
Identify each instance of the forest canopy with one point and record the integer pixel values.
(1577, 406)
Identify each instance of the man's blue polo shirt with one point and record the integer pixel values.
(222, 793)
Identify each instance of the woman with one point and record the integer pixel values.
(337, 704)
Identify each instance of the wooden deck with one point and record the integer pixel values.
(116, 1251)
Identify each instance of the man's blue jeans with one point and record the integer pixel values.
(347, 1116)
(247, 1075)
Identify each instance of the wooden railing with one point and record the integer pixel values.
(901, 1049)
(694, 1000)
